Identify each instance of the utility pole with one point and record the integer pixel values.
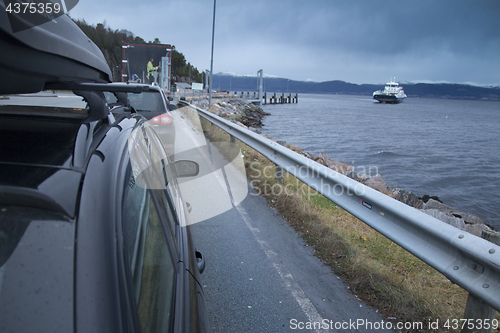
(211, 62)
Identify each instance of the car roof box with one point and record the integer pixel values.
(54, 52)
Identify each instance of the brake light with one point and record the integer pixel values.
(164, 119)
(155, 120)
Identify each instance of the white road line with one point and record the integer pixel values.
(304, 302)
(300, 297)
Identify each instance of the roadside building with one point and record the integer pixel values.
(182, 87)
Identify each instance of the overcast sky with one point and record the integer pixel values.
(358, 41)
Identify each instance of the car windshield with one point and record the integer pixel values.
(148, 102)
(36, 270)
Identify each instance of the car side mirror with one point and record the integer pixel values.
(186, 168)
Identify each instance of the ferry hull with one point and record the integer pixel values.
(388, 99)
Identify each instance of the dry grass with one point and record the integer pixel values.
(377, 270)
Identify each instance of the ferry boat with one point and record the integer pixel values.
(392, 93)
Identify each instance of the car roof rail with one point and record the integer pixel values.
(111, 87)
(98, 108)
(122, 98)
(93, 94)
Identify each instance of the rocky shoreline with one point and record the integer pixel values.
(430, 205)
(250, 116)
(236, 109)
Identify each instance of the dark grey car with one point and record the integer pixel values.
(94, 233)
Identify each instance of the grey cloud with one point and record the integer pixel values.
(356, 41)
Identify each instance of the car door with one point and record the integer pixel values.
(156, 250)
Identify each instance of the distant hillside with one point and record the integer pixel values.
(228, 82)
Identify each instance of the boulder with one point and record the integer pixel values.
(476, 229)
(426, 198)
(462, 220)
(451, 220)
(377, 183)
(491, 236)
(252, 116)
(408, 197)
(434, 204)
(467, 217)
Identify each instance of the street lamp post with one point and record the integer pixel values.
(207, 73)
(211, 62)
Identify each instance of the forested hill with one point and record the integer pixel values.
(437, 90)
(110, 43)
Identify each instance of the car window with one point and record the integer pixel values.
(147, 157)
(165, 204)
(110, 97)
(152, 170)
(151, 259)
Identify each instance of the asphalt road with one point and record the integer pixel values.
(260, 275)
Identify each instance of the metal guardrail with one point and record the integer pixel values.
(469, 261)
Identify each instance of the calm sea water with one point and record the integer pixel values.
(448, 148)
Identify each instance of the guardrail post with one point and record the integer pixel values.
(476, 310)
(279, 174)
(232, 140)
